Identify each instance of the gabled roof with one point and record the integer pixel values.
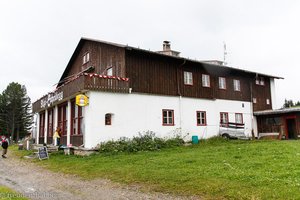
(82, 40)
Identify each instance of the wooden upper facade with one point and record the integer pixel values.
(156, 73)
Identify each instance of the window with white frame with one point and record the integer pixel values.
(86, 58)
(239, 118)
(168, 117)
(222, 83)
(109, 71)
(268, 101)
(223, 118)
(201, 118)
(205, 80)
(236, 85)
(254, 100)
(260, 81)
(188, 78)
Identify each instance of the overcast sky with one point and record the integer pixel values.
(37, 38)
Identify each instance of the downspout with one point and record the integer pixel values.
(180, 95)
(251, 110)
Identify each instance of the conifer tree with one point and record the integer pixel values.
(15, 111)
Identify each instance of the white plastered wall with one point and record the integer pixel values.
(138, 113)
(273, 94)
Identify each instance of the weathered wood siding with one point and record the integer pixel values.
(156, 74)
(83, 83)
(102, 57)
(262, 93)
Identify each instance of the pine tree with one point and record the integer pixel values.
(288, 104)
(15, 111)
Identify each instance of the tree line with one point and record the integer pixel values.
(15, 112)
(290, 104)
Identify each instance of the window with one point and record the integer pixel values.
(201, 118)
(260, 81)
(205, 80)
(63, 118)
(50, 123)
(268, 101)
(236, 85)
(188, 78)
(77, 119)
(42, 125)
(223, 118)
(254, 100)
(239, 118)
(222, 83)
(86, 58)
(168, 117)
(109, 71)
(108, 119)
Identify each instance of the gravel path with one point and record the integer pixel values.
(37, 183)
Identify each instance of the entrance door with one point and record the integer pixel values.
(291, 128)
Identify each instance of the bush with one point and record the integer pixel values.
(143, 142)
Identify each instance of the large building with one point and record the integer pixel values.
(131, 91)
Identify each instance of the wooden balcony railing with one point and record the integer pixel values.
(106, 83)
(80, 83)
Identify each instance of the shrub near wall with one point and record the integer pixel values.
(143, 142)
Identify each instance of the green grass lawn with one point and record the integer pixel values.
(6, 193)
(213, 169)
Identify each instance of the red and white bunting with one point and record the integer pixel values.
(106, 77)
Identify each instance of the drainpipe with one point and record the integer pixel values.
(179, 93)
(251, 111)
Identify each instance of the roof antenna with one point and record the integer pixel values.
(225, 54)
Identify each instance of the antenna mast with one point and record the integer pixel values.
(225, 53)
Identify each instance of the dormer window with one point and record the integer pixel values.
(86, 58)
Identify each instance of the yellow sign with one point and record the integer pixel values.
(82, 100)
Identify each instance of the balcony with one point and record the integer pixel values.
(82, 83)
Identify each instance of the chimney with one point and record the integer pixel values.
(167, 49)
(166, 46)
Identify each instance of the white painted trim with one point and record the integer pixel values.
(273, 94)
(37, 128)
(69, 121)
(46, 126)
(55, 123)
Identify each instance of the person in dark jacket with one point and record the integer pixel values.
(4, 144)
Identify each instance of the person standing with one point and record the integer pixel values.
(4, 144)
(56, 136)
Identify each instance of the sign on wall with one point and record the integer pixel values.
(82, 100)
(51, 98)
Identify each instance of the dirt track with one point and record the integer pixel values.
(35, 182)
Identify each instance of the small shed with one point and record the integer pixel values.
(281, 123)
